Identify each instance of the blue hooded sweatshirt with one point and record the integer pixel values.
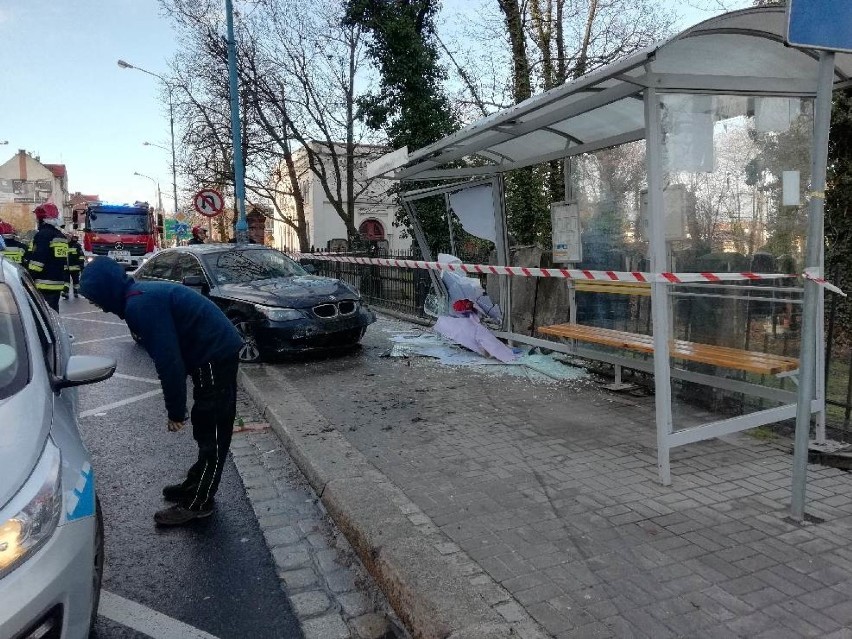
(180, 328)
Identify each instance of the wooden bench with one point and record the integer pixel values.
(622, 288)
(723, 356)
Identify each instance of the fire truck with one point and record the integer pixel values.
(128, 233)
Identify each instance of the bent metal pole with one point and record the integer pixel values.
(807, 359)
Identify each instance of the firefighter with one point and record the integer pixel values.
(14, 249)
(75, 266)
(46, 259)
(199, 234)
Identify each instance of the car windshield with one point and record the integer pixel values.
(14, 363)
(118, 223)
(235, 267)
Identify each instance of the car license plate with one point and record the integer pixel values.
(119, 256)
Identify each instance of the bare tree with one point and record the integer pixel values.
(297, 68)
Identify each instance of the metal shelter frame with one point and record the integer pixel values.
(741, 53)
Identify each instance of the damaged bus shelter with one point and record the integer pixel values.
(683, 158)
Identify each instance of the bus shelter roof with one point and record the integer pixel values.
(740, 53)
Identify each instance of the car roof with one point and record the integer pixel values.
(10, 272)
(205, 249)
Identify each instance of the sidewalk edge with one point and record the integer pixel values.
(429, 590)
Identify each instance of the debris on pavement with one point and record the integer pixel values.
(530, 364)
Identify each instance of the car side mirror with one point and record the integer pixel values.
(310, 269)
(194, 281)
(86, 369)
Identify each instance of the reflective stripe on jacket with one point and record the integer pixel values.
(47, 258)
(75, 256)
(14, 251)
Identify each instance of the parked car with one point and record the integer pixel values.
(51, 530)
(275, 304)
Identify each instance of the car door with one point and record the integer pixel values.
(189, 266)
(160, 267)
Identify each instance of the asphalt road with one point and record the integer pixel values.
(216, 575)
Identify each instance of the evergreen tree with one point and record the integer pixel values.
(410, 105)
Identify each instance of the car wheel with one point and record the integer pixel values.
(98, 576)
(249, 352)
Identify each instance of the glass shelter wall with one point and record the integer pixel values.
(736, 174)
(608, 186)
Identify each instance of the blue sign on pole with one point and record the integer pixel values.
(820, 24)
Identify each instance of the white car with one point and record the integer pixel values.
(51, 532)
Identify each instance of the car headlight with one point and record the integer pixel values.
(280, 314)
(31, 517)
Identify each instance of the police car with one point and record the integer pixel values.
(51, 532)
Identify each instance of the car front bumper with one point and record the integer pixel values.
(309, 334)
(57, 579)
(130, 264)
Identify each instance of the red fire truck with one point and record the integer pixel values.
(128, 233)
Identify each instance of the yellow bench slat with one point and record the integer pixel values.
(724, 356)
(617, 288)
(611, 285)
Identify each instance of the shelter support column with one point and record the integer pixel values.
(810, 334)
(659, 290)
(501, 246)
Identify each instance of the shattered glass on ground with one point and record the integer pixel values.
(531, 363)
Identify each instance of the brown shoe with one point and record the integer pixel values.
(178, 515)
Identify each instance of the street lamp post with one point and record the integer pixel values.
(159, 195)
(239, 170)
(170, 87)
(154, 145)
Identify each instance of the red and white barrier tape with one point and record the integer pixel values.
(813, 275)
(559, 273)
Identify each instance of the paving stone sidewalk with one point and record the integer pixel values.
(552, 491)
(332, 595)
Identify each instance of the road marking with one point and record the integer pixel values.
(101, 339)
(146, 620)
(81, 313)
(123, 402)
(83, 319)
(137, 379)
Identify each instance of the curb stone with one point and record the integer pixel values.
(328, 588)
(428, 585)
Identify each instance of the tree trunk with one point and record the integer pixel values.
(349, 220)
(521, 89)
(583, 57)
(542, 21)
(561, 68)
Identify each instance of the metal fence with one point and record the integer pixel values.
(387, 287)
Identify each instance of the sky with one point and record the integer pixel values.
(65, 99)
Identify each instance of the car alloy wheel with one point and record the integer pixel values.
(98, 575)
(249, 351)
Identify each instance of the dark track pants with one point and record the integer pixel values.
(214, 394)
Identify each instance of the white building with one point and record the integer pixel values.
(374, 208)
